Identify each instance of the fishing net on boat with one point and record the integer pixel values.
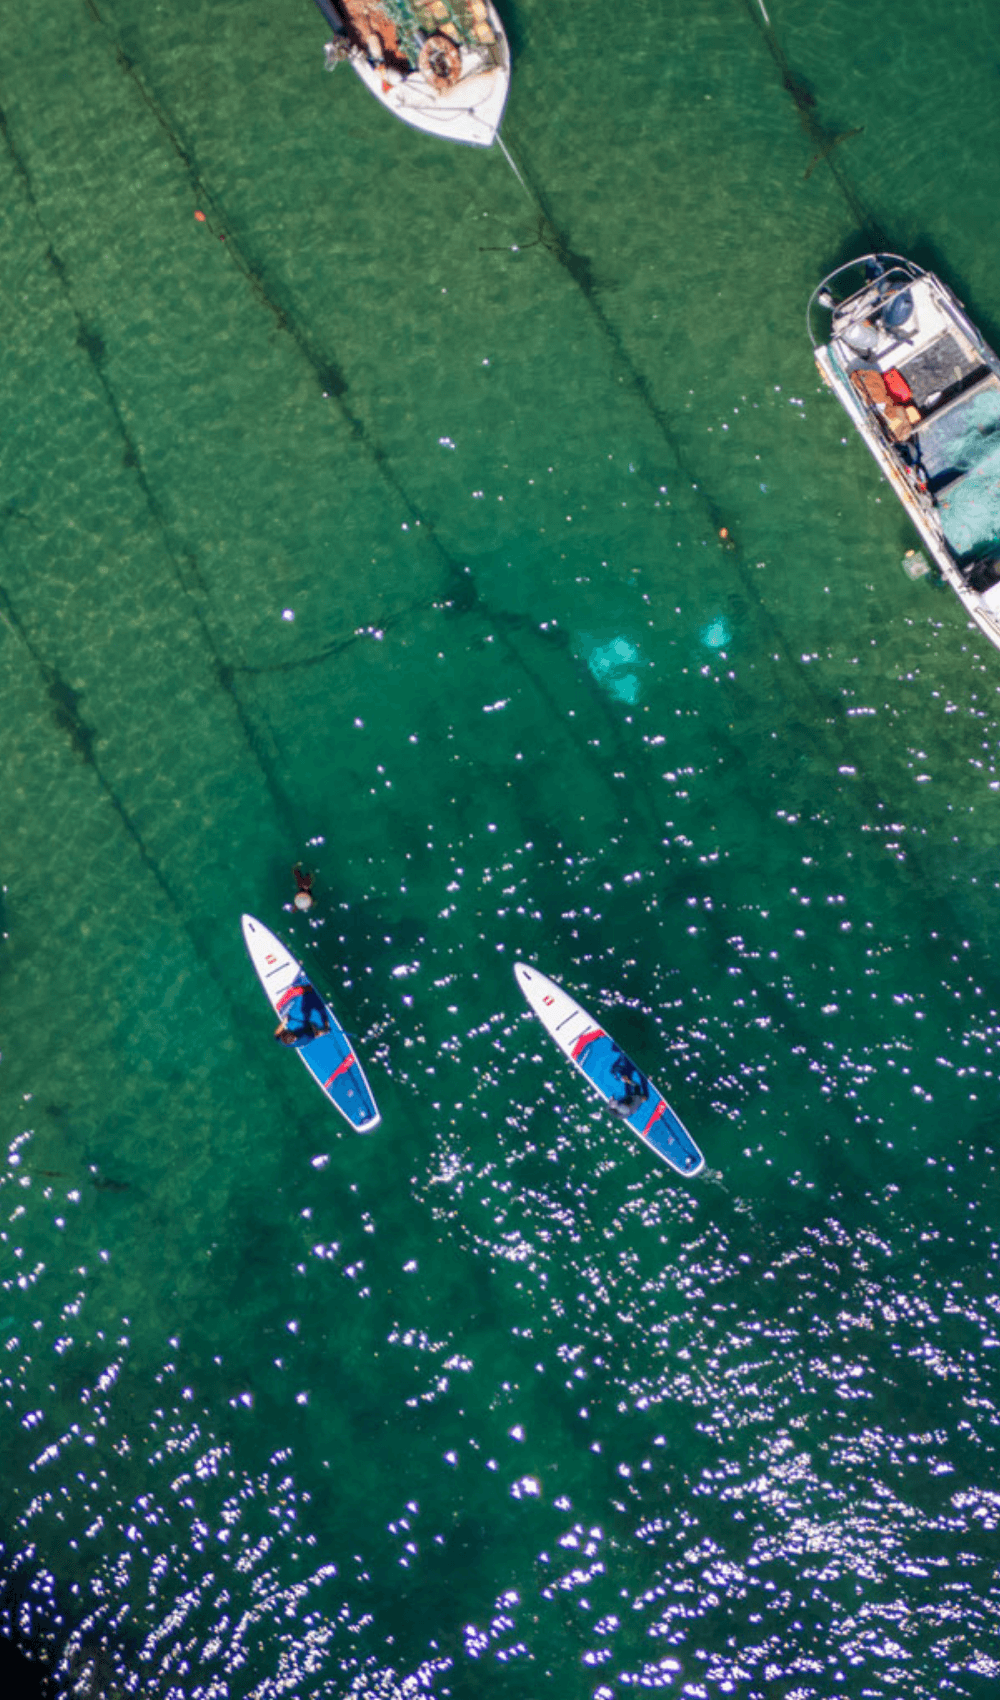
(970, 508)
(396, 32)
(960, 452)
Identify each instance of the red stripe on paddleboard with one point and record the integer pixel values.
(348, 1062)
(661, 1110)
(287, 996)
(586, 1039)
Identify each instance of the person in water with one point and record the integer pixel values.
(303, 898)
(302, 1017)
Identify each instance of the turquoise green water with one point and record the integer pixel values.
(489, 1403)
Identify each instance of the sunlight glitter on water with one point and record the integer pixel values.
(489, 1401)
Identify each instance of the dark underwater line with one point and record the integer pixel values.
(184, 564)
(578, 268)
(821, 140)
(820, 711)
(63, 703)
(461, 594)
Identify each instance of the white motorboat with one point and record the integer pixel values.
(922, 386)
(440, 65)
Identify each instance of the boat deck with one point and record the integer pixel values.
(391, 33)
(923, 389)
(442, 66)
(938, 367)
(950, 420)
(929, 348)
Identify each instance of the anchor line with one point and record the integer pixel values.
(501, 144)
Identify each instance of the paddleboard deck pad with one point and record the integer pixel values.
(329, 1056)
(612, 1075)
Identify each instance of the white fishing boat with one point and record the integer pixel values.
(922, 386)
(440, 65)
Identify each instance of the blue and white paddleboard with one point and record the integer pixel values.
(613, 1075)
(329, 1056)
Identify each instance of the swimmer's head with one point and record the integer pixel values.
(303, 900)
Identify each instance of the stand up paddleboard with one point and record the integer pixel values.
(613, 1075)
(328, 1057)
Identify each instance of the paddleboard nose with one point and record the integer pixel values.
(523, 974)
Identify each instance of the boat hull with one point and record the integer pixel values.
(459, 94)
(470, 112)
(859, 352)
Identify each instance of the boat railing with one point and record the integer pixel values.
(874, 269)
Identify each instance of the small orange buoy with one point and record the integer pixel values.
(723, 531)
(200, 216)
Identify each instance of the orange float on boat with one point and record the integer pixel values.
(440, 62)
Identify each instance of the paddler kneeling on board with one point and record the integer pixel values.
(635, 1087)
(297, 1008)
